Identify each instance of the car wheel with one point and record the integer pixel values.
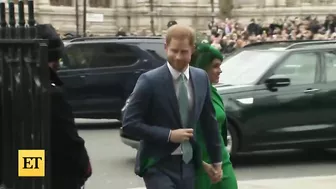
(232, 140)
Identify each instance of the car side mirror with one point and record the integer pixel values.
(276, 81)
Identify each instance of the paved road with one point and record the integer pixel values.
(113, 163)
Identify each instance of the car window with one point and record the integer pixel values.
(77, 57)
(155, 49)
(113, 55)
(330, 61)
(300, 68)
(247, 67)
(95, 55)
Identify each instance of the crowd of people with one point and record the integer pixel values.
(229, 35)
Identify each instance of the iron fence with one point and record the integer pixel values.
(24, 86)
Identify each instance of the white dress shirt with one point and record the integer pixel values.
(175, 75)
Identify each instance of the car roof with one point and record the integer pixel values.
(117, 39)
(291, 46)
(319, 46)
(269, 45)
(310, 47)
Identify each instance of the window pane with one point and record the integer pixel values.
(113, 55)
(78, 57)
(247, 67)
(300, 68)
(330, 60)
(155, 49)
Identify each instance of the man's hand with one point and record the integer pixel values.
(181, 135)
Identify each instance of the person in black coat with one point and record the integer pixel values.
(70, 163)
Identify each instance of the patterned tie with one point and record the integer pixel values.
(184, 114)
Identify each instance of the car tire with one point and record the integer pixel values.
(232, 140)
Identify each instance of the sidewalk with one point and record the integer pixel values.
(320, 182)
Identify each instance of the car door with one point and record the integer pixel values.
(287, 116)
(326, 99)
(112, 77)
(73, 66)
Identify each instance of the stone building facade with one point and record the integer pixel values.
(106, 16)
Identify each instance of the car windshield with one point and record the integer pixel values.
(247, 67)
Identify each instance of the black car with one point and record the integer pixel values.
(100, 72)
(282, 98)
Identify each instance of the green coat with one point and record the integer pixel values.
(229, 180)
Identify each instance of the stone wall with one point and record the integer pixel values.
(132, 15)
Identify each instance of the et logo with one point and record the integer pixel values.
(31, 163)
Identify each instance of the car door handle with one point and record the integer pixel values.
(311, 90)
(82, 76)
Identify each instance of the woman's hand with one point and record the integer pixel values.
(213, 175)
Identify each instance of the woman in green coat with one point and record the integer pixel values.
(208, 58)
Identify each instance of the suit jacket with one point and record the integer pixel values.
(153, 111)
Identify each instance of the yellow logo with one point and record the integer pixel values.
(31, 163)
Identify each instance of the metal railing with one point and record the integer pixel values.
(24, 102)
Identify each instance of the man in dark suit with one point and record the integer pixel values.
(163, 111)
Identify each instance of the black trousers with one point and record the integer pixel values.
(170, 173)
